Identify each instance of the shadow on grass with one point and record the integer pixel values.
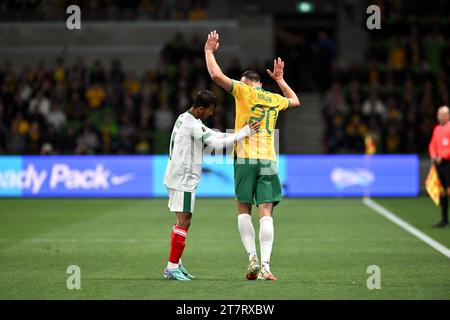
(161, 279)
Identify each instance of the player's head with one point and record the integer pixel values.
(251, 78)
(443, 115)
(204, 104)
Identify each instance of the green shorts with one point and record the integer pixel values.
(256, 181)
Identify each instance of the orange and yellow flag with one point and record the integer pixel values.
(433, 185)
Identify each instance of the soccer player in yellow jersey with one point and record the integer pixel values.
(255, 167)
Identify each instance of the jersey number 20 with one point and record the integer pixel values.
(265, 113)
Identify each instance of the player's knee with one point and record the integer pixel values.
(265, 209)
(244, 208)
(184, 221)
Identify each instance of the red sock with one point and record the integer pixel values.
(177, 243)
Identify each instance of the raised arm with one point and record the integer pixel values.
(211, 45)
(277, 75)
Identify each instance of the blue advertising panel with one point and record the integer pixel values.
(352, 175)
(76, 176)
(142, 176)
(9, 176)
(217, 178)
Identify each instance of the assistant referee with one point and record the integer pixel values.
(439, 150)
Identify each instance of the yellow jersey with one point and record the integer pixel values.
(253, 104)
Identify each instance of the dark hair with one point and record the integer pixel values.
(252, 76)
(205, 98)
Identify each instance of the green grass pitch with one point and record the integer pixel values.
(322, 250)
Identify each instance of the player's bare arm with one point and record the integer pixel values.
(211, 45)
(278, 75)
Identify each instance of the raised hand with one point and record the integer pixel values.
(278, 67)
(212, 43)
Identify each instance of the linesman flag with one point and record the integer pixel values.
(433, 185)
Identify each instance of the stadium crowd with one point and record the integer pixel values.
(105, 9)
(390, 101)
(385, 105)
(95, 109)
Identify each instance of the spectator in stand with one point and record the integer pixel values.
(326, 51)
(76, 108)
(397, 56)
(164, 118)
(60, 73)
(97, 73)
(16, 141)
(109, 132)
(40, 104)
(56, 117)
(198, 10)
(356, 131)
(88, 141)
(374, 106)
(95, 96)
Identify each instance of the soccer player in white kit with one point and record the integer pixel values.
(184, 168)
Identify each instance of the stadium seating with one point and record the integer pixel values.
(392, 97)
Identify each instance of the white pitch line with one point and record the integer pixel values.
(406, 226)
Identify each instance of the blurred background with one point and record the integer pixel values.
(117, 85)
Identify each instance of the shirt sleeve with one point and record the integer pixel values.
(205, 134)
(280, 102)
(219, 134)
(219, 141)
(238, 89)
(201, 132)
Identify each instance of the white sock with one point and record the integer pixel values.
(266, 233)
(247, 234)
(172, 266)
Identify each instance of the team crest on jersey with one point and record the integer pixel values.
(203, 128)
(445, 141)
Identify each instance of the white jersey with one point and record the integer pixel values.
(186, 151)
